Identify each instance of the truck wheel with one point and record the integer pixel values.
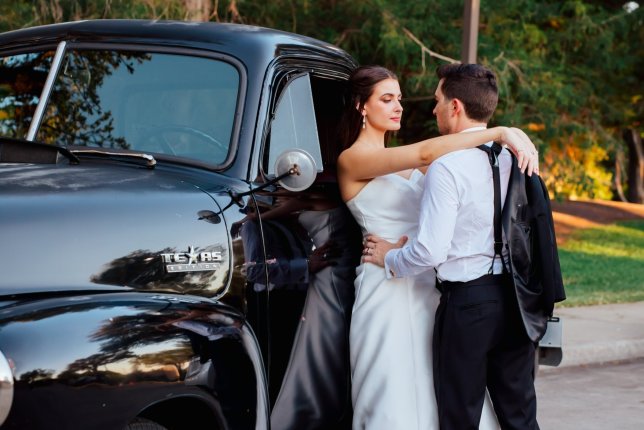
(143, 424)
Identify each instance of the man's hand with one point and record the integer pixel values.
(375, 249)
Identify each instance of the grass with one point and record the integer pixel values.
(604, 264)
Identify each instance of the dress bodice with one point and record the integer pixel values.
(388, 206)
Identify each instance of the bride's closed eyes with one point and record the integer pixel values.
(387, 98)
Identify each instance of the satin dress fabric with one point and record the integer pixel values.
(392, 320)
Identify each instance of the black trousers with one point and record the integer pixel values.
(479, 342)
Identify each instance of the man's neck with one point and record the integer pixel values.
(467, 125)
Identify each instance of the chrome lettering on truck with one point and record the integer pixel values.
(192, 261)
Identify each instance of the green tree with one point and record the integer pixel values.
(572, 74)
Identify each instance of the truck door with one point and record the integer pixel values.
(312, 246)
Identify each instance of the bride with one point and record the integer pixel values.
(392, 320)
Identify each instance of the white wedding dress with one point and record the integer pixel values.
(393, 320)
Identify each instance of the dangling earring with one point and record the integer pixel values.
(364, 121)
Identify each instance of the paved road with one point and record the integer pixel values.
(594, 397)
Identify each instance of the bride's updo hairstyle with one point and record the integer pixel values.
(361, 84)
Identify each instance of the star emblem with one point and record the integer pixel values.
(191, 254)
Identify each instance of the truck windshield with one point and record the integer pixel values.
(178, 105)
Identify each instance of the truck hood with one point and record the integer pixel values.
(109, 226)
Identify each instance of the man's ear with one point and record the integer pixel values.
(456, 106)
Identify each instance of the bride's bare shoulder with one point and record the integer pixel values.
(349, 155)
(357, 150)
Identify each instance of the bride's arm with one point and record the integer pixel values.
(359, 163)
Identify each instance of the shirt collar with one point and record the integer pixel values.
(477, 128)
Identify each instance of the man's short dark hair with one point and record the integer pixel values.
(474, 85)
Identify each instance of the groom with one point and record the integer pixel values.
(479, 338)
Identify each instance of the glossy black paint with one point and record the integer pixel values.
(103, 226)
(100, 360)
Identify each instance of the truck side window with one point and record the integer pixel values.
(294, 125)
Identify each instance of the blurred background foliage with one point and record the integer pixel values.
(570, 72)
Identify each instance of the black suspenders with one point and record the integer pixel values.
(493, 155)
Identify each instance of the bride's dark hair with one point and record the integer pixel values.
(361, 83)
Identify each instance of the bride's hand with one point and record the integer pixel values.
(520, 144)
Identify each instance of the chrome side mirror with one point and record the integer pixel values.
(295, 169)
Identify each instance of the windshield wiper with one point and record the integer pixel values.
(27, 151)
(149, 160)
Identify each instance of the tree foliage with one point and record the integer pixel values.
(570, 72)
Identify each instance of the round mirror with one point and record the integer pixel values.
(304, 169)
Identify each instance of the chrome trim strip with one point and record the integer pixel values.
(49, 83)
(262, 411)
(6, 388)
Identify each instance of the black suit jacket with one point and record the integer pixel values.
(534, 258)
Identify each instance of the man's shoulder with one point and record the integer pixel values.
(457, 158)
(459, 165)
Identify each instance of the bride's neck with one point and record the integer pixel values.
(371, 138)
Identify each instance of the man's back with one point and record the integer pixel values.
(460, 197)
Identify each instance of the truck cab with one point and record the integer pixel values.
(174, 252)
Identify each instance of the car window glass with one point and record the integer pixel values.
(177, 105)
(22, 78)
(294, 125)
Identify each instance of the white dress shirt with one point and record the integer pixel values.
(456, 220)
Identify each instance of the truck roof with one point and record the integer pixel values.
(243, 41)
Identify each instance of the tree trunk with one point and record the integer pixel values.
(635, 167)
(198, 10)
(619, 162)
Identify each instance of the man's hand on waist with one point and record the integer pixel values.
(375, 249)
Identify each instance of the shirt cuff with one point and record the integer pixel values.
(390, 268)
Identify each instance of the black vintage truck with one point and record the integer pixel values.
(173, 250)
